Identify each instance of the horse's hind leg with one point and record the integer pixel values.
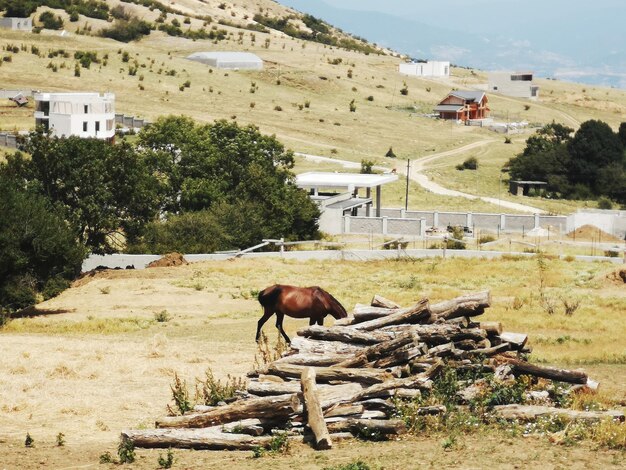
(267, 313)
(279, 324)
(312, 321)
(320, 321)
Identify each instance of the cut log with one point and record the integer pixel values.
(401, 356)
(312, 346)
(516, 340)
(487, 352)
(335, 436)
(469, 305)
(493, 328)
(312, 359)
(251, 427)
(380, 301)
(407, 393)
(344, 334)
(386, 389)
(443, 350)
(363, 313)
(363, 426)
(380, 350)
(264, 389)
(201, 439)
(344, 409)
(314, 414)
(413, 314)
(531, 413)
(331, 395)
(264, 407)
(552, 373)
(270, 378)
(377, 404)
(329, 374)
(431, 410)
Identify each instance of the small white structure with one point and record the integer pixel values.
(337, 194)
(516, 84)
(229, 60)
(431, 68)
(76, 114)
(17, 24)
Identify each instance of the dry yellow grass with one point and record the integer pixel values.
(99, 362)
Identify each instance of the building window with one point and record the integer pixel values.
(86, 108)
(85, 126)
(97, 126)
(110, 125)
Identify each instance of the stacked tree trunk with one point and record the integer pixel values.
(342, 380)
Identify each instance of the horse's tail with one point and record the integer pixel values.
(336, 309)
(268, 296)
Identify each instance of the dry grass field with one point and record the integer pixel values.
(96, 361)
(299, 78)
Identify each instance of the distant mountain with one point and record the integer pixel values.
(565, 39)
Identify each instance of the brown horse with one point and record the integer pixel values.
(297, 302)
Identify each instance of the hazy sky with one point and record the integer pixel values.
(561, 38)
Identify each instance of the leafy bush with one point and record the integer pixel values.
(38, 251)
(211, 391)
(470, 164)
(390, 153)
(367, 166)
(126, 31)
(50, 20)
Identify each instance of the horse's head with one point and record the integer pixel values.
(337, 311)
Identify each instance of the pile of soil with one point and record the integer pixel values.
(592, 233)
(169, 260)
(618, 276)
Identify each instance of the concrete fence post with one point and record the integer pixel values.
(502, 221)
(435, 219)
(536, 221)
(384, 225)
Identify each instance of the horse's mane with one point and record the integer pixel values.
(334, 303)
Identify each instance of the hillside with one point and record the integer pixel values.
(303, 95)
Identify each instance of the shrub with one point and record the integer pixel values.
(604, 203)
(390, 153)
(126, 31)
(126, 451)
(404, 90)
(168, 461)
(367, 167)
(470, 164)
(180, 395)
(352, 106)
(50, 20)
(162, 316)
(370, 98)
(211, 391)
(278, 108)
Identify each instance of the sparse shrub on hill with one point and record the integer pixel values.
(50, 21)
(469, 164)
(126, 31)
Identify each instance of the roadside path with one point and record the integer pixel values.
(417, 166)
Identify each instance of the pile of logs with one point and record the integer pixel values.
(340, 381)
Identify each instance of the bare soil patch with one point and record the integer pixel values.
(592, 233)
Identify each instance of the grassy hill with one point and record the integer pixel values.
(303, 95)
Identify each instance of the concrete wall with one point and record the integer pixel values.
(11, 93)
(484, 221)
(426, 69)
(140, 261)
(17, 24)
(8, 140)
(500, 82)
(130, 121)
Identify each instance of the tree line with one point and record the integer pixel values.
(587, 164)
(180, 187)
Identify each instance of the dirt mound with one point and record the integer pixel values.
(168, 260)
(592, 233)
(618, 276)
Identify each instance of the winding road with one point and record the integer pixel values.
(417, 176)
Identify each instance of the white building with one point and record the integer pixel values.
(17, 24)
(337, 195)
(516, 84)
(229, 60)
(426, 69)
(76, 114)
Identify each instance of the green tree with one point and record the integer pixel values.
(230, 171)
(18, 8)
(50, 20)
(594, 146)
(106, 191)
(39, 254)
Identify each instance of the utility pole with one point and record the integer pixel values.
(406, 195)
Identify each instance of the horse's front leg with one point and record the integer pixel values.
(279, 324)
(320, 321)
(267, 313)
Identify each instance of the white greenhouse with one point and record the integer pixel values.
(229, 60)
